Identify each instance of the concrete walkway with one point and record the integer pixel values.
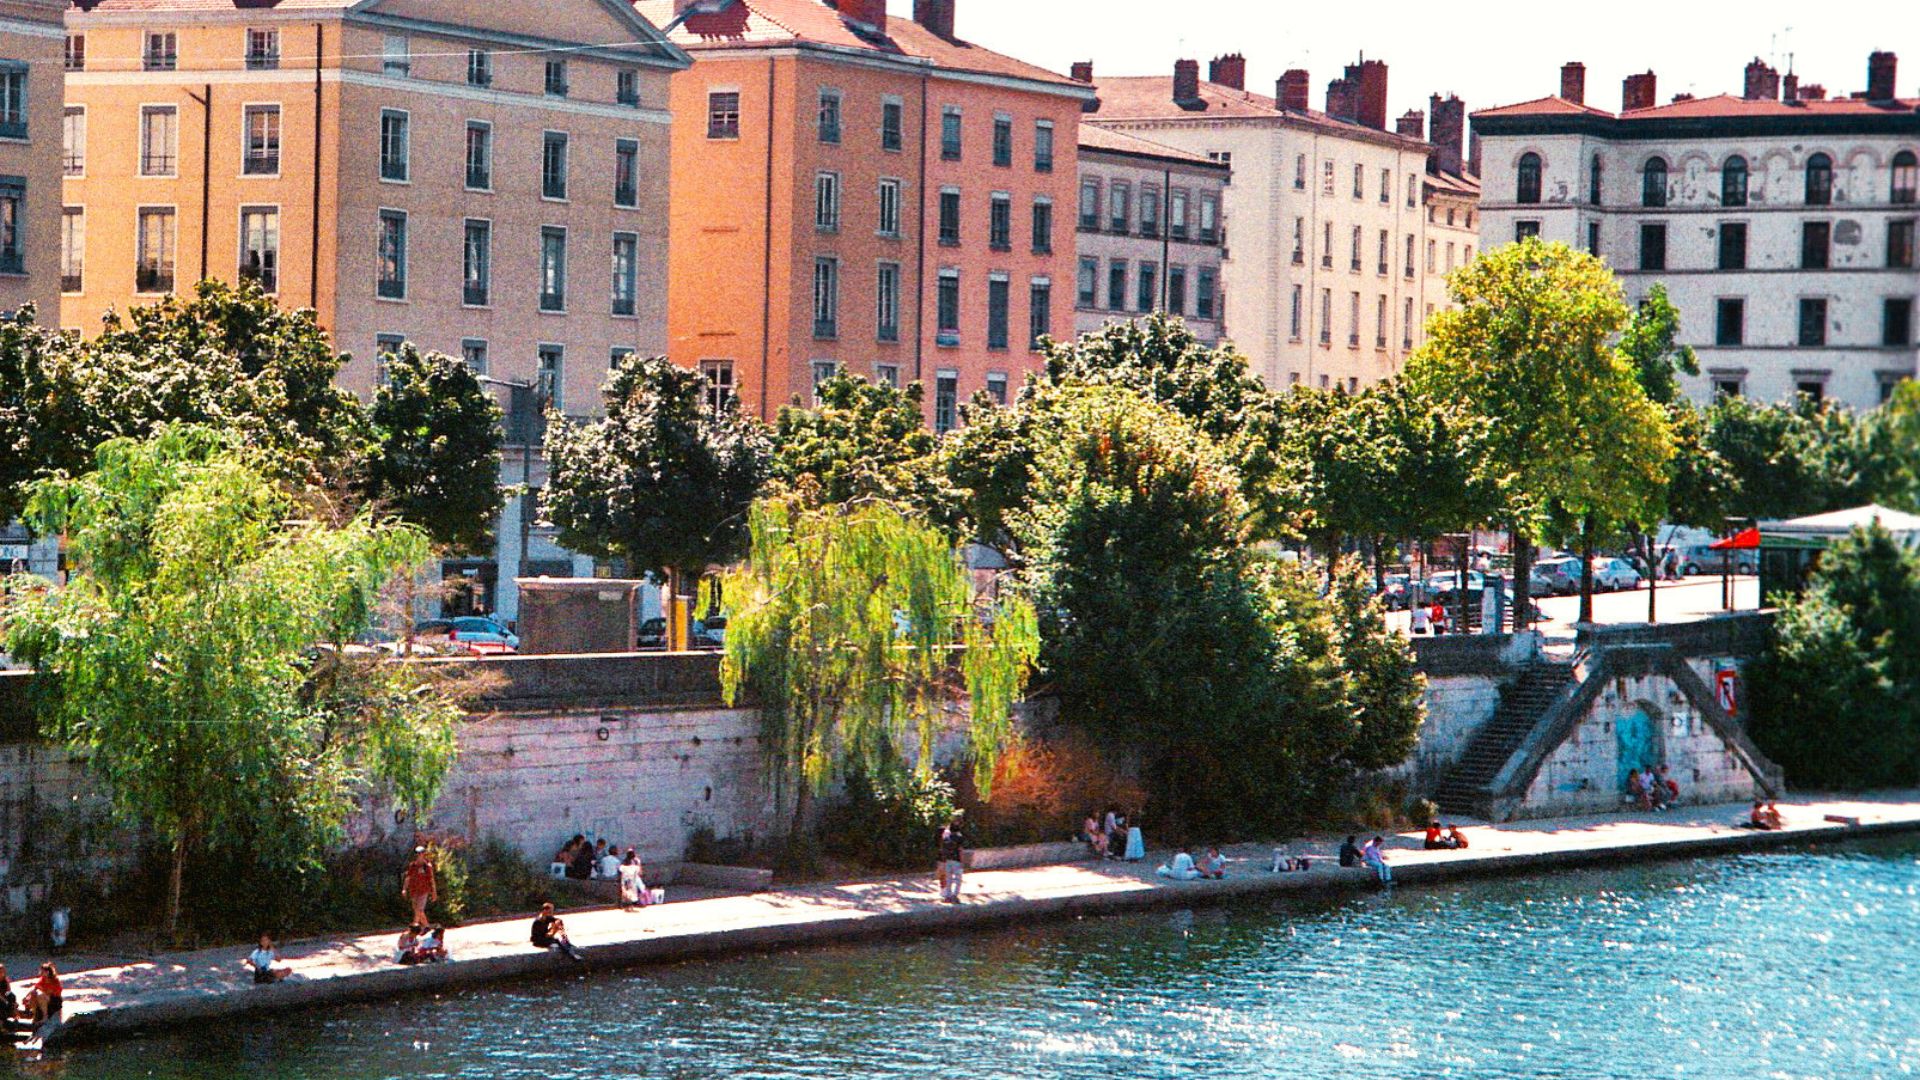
(184, 987)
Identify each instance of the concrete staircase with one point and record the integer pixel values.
(1467, 788)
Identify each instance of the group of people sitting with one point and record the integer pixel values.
(1764, 816)
(1449, 838)
(598, 860)
(41, 1003)
(1110, 836)
(1212, 866)
(421, 943)
(1653, 789)
(1373, 856)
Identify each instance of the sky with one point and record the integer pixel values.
(1490, 52)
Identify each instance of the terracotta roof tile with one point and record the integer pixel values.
(1454, 183)
(1716, 107)
(1150, 97)
(1546, 106)
(211, 5)
(759, 23)
(1099, 138)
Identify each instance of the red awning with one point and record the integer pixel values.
(1743, 540)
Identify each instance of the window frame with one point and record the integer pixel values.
(396, 169)
(270, 281)
(478, 258)
(549, 139)
(171, 214)
(630, 278)
(723, 122)
(484, 128)
(248, 159)
(394, 288)
(552, 302)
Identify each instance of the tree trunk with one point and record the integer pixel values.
(1653, 575)
(1460, 586)
(802, 805)
(1379, 563)
(1522, 595)
(175, 876)
(1586, 569)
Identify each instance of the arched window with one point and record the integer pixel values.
(1593, 181)
(1906, 176)
(1653, 183)
(1819, 180)
(1733, 182)
(1527, 180)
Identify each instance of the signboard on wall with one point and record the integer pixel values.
(1726, 689)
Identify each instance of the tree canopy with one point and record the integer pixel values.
(861, 440)
(661, 481)
(181, 652)
(436, 449)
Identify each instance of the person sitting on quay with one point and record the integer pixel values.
(633, 882)
(406, 948)
(1350, 853)
(432, 946)
(1665, 787)
(1094, 836)
(8, 1000)
(1214, 865)
(44, 999)
(581, 868)
(1774, 820)
(265, 963)
(563, 858)
(1638, 791)
(607, 866)
(549, 932)
(1436, 837)
(1181, 869)
(1375, 855)
(1456, 839)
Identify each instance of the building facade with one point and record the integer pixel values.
(1150, 234)
(864, 194)
(1324, 279)
(30, 118)
(1781, 222)
(451, 173)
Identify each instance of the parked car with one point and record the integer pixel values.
(1610, 575)
(468, 633)
(1442, 587)
(1396, 591)
(712, 630)
(652, 634)
(1559, 577)
(1701, 559)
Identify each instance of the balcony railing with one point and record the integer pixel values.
(150, 279)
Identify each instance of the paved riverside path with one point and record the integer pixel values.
(178, 988)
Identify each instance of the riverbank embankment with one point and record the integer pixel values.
(183, 988)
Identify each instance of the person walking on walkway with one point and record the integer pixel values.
(953, 846)
(418, 884)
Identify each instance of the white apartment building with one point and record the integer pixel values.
(1149, 234)
(1325, 278)
(1782, 222)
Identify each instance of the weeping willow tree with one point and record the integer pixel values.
(845, 622)
(182, 661)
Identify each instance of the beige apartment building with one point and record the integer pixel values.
(30, 94)
(484, 180)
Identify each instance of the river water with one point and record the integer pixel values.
(1789, 965)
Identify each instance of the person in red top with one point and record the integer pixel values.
(43, 1000)
(1434, 840)
(418, 884)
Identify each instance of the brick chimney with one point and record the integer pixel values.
(1412, 124)
(1573, 82)
(1229, 70)
(1880, 74)
(1449, 138)
(1763, 82)
(1812, 92)
(935, 15)
(1790, 88)
(1368, 78)
(1293, 90)
(1082, 71)
(1340, 99)
(1186, 83)
(1638, 92)
(871, 12)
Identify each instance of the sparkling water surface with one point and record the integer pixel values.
(1786, 965)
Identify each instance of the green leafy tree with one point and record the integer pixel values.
(845, 622)
(1896, 440)
(662, 481)
(862, 440)
(1837, 702)
(1387, 692)
(1529, 347)
(227, 357)
(1794, 458)
(1651, 344)
(1212, 388)
(435, 460)
(179, 652)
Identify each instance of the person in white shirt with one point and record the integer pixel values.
(1421, 619)
(266, 963)
(607, 867)
(1182, 868)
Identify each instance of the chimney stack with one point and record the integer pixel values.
(1367, 86)
(1229, 70)
(1763, 82)
(1293, 89)
(871, 12)
(1880, 75)
(1573, 82)
(1340, 99)
(935, 15)
(1790, 88)
(1449, 120)
(1412, 124)
(1638, 92)
(1083, 71)
(1186, 83)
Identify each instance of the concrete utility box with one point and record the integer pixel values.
(579, 615)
